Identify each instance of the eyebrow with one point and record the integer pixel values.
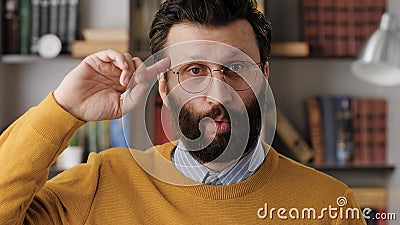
(202, 57)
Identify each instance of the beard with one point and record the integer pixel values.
(186, 122)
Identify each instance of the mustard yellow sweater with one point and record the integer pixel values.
(111, 188)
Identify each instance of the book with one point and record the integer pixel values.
(25, 15)
(343, 120)
(11, 27)
(72, 23)
(82, 49)
(351, 27)
(326, 27)
(120, 132)
(62, 24)
(74, 153)
(374, 10)
(341, 28)
(91, 137)
(44, 17)
(290, 49)
(329, 128)
(103, 135)
(359, 24)
(293, 139)
(379, 111)
(355, 106)
(374, 197)
(365, 126)
(53, 16)
(105, 35)
(309, 24)
(164, 131)
(35, 24)
(315, 130)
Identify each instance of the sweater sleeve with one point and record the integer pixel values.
(27, 150)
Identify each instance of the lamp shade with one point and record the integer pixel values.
(379, 60)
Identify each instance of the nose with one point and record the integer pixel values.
(218, 92)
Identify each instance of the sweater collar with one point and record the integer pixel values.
(157, 162)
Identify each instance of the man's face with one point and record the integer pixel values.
(216, 101)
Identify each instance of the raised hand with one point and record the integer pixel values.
(92, 90)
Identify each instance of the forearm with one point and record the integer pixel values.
(27, 150)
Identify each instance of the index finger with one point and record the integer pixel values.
(144, 74)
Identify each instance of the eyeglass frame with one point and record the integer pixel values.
(259, 64)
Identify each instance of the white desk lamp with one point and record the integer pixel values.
(379, 60)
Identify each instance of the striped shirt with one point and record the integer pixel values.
(234, 173)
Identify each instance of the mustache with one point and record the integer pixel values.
(214, 112)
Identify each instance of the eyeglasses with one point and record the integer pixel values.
(195, 77)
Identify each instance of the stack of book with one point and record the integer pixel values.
(339, 27)
(25, 21)
(347, 130)
(373, 202)
(95, 137)
(100, 39)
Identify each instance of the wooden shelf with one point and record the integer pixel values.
(367, 168)
(17, 59)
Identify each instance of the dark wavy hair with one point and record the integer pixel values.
(211, 13)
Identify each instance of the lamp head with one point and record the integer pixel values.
(379, 60)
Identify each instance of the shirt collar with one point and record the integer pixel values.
(234, 173)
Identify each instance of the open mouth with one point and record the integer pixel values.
(222, 124)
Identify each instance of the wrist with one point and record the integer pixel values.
(63, 103)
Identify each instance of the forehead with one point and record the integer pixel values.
(190, 41)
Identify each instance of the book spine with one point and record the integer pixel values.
(341, 28)
(379, 131)
(375, 9)
(315, 130)
(359, 24)
(356, 131)
(11, 30)
(54, 4)
(118, 132)
(35, 24)
(326, 27)
(44, 17)
(25, 12)
(72, 23)
(62, 23)
(351, 21)
(91, 137)
(329, 129)
(103, 135)
(292, 138)
(309, 17)
(343, 118)
(365, 124)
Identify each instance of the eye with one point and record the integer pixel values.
(235, 66)
(195, 70)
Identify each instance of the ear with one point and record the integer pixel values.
(266, 70)
(162, 87)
